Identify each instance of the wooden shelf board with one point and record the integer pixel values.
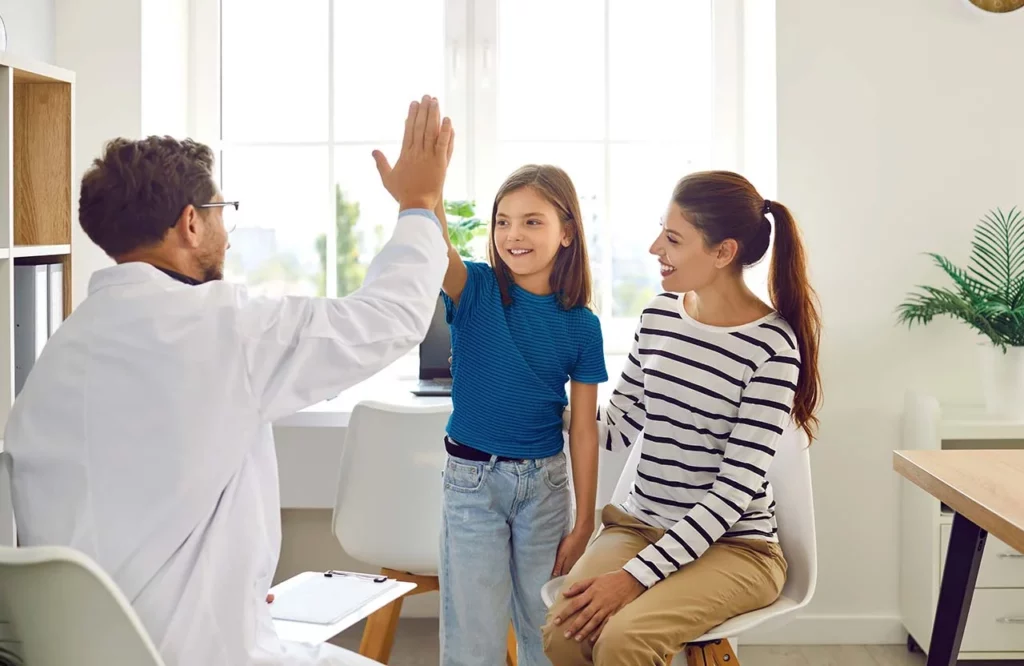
(32, 71)
(21, 251)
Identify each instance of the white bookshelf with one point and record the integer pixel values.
(36, 157)
(993, 630)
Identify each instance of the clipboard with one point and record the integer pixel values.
(327, 598)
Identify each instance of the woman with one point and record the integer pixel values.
(714, 376)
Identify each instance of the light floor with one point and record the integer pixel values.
(416, 645)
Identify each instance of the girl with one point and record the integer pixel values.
(521, 330)
(714, 377)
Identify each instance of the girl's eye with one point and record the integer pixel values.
(533, 222)
(501, 223)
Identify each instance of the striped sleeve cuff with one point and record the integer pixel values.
(421, 212)
(642, 570)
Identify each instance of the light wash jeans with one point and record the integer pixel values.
(501, 526)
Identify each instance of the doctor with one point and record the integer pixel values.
(143, 435)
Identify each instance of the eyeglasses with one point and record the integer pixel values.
(221, 204)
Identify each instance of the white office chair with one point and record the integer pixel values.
(388, 506)
(790, 476)
(60, 608)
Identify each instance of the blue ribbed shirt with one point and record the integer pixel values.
(510, 365)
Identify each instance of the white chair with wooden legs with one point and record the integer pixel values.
(388, 506)
(790, 476)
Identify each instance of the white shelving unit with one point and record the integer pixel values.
(995, 625)
(36, 157)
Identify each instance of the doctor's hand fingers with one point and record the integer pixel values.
(384, 169)
(433, 127)
(410, 121)
(419, 127)
(446, 140)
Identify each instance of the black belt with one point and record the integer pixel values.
(469, 453)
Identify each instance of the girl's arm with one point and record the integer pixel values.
(456, 276)
(583, 452)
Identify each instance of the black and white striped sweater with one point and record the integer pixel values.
(708, 405)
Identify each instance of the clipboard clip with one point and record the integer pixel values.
(352, 574)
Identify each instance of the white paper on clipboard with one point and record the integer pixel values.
(323, 600)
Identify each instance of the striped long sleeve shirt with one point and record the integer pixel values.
(708, 405)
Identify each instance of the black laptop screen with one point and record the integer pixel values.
(436, 347)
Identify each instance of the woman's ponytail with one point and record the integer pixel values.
(792, 296)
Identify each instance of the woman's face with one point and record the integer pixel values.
(687, 263)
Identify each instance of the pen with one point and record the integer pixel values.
(373, 577)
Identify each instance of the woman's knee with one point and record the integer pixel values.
(621, 645)
(562, 651)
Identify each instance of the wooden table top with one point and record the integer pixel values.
(985, 486)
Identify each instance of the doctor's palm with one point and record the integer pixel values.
(417, 179)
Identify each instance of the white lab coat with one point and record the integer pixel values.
(143, 435)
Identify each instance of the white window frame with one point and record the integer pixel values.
(744, 110)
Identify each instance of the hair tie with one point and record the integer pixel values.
(766, 208)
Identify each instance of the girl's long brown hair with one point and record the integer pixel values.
(570, 278)
(724, 205)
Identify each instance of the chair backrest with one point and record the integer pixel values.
(60, 608)
(388, 507)
(790, 476)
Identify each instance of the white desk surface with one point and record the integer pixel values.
(335, 413)
(305, 632)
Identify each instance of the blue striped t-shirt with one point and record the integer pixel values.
(510, 366)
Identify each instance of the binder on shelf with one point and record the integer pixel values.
(55, 279)
(31, 319)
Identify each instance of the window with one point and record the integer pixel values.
(626, 96)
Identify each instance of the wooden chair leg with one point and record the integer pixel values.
(722, 653)
(714, 653)
(379, 634)
(512, 654)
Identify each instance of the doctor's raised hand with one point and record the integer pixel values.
(417, 179)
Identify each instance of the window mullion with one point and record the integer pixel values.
(483, 103)
(727, 28)
(605, 237)
(331, 230)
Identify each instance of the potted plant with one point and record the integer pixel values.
(464, 227)
(988, 296)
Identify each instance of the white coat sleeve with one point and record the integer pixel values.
(299, 351)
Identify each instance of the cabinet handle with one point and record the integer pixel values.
(1011, 620)
(1012, 556)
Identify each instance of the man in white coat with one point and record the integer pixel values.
(143, 434)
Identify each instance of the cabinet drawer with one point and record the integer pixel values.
(995, 622)
(1001, 566)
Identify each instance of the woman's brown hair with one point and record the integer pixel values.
(724, 205)
(570, 278)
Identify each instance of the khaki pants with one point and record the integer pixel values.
(733, 576)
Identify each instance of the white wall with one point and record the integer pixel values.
(30, 27)
(899, 126)
(129, 57)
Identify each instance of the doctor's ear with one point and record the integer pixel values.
(187, 227)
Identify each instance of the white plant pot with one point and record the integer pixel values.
(1002, 381)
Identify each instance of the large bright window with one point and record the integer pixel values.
(626, 95)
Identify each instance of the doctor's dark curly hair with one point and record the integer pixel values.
(137, 190)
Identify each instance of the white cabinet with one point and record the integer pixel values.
(995, 625)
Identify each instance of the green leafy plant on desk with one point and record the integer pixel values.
(988, 295)
(464, 227)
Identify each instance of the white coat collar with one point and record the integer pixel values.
(135, 272)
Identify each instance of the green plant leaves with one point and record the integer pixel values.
(989, 293)
(465, 227)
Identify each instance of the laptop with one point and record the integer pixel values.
(436, 348)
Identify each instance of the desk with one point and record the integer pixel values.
(305, 632)
(985, 489)
(335, 413)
